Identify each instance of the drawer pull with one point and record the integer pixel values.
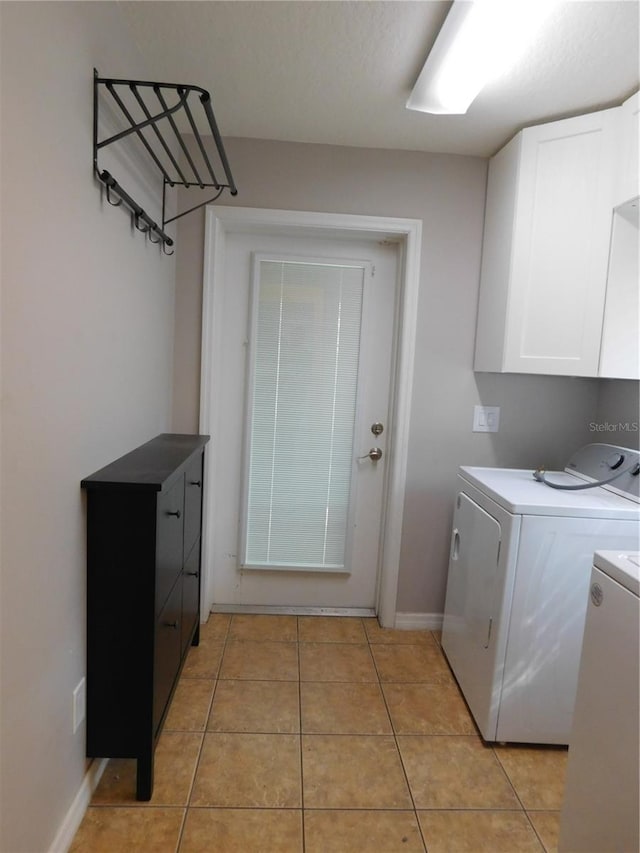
(197, 483)
(176, 513)
(173, 624)
(192, 574)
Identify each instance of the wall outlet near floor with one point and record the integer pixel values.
(486, 418)
(79, 704)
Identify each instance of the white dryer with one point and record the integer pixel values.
(518, 586)
(602, 795)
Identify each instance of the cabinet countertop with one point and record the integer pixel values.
(149, 466)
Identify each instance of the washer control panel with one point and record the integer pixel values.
(596, 462)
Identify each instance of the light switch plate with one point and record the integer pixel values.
(486, 418)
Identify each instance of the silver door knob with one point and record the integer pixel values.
(374, 454)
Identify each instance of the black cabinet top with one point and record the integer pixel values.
(149, 466)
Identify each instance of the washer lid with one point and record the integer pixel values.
(622, 567)
(518, 492)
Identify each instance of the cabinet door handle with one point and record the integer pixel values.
(192, 574)
(176, 513)
(173, 624)
(197, 483)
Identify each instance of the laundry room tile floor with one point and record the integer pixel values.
(325, 735)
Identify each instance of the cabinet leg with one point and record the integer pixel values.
(144, 777)
(196, 636)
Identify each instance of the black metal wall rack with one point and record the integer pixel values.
(158, 115)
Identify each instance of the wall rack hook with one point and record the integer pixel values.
(157, 116)
(136, 221)
(116, 203)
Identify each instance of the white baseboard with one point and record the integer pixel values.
(419, 621)
(293, 611)
(73, 818)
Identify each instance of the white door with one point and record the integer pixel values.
(238, 578)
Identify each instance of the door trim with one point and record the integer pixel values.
(221, 221)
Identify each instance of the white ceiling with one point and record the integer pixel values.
(340, 72)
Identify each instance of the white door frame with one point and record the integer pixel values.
(221, 221)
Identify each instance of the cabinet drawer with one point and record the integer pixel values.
(166, 660)
(190, 596)
(192, 503)
(170, 523)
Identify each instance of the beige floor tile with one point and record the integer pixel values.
(336, 662)
(257, 627)
(190, 705)
(216, 626)
(361, 832)
(242, 831)
(260, 661)
(451, 772)
(353, 772)
(256, 706)
(136, 830)
(203, 661)
(176, 757)
(348, 708)
(547, 825)
(478, 832)
(330, 629)
(411, 663)
(393, 636)
(428, 709)
(537, 774)
(248, 771)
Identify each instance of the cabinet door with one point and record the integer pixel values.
(169, 534)
(497, 244)
(192, 503)
(627, 184)
(166, 661)
(190, 596)
(561, 246)
(620, 351)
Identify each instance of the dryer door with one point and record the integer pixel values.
(472, 610)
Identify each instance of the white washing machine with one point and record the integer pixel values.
(518, 586)
(600, 810)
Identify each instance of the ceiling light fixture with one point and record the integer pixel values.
(479, 40)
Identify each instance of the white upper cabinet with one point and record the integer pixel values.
(627, 180)
(620, 352)
(546, 248)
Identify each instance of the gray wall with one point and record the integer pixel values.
(617, 418)
(87, 348)
(543, 418)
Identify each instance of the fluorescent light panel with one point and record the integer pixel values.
(479, 40)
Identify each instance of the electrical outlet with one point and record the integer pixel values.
(486, 418)
(79, 704)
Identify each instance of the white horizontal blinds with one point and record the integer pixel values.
(302, 414)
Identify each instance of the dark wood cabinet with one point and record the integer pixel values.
(144, 523)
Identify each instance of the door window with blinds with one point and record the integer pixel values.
(304, 354)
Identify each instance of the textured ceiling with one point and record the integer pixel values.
(340, 72)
